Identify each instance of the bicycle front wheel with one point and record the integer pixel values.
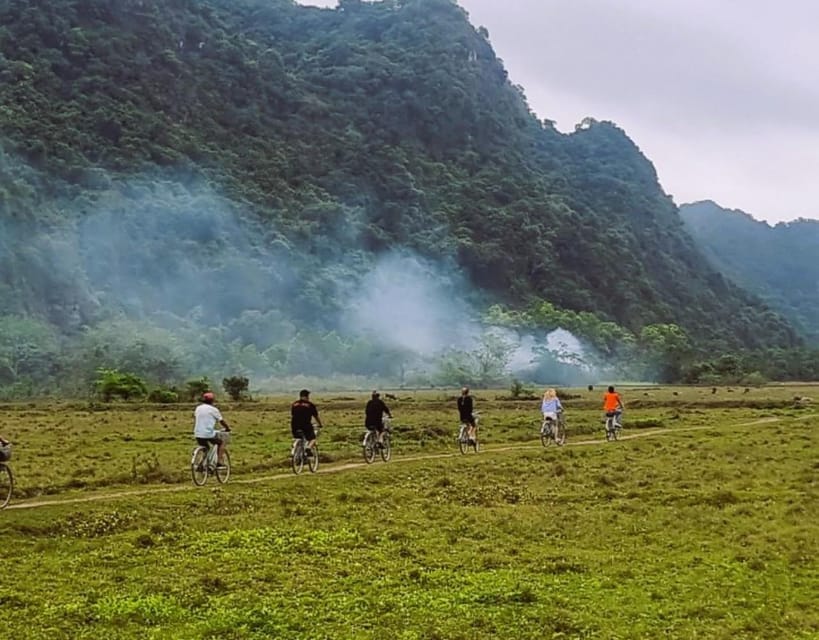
(199, 466)
(560, 433)
(369, 447)
(386, 451)
(6, 485)
(223, 473)
(313, 460)
(297, 459)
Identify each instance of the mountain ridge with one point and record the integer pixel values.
(777, 262)
(336, 137)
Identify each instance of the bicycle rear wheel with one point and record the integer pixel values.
(386, 451)
(199, 466)
(297, 459)
(463, 441)
(369, 447)
(545, 435)
(223, 473)
(610, 430)
(313, 460)
(6, 485)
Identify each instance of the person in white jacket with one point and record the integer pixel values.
(206, 417)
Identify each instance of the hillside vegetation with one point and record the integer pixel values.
(216, 186)
(778, 263)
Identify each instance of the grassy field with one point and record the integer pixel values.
(703, 523)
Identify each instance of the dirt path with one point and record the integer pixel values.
(348, 466)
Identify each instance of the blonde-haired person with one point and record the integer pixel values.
(550, 407)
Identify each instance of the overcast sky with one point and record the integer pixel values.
(722, 95)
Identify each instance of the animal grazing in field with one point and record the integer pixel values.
(390, 396)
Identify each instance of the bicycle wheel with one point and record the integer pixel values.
(615, 433)
(545, 435)
(386, 451)
(369, 447)
(463, 441)
(297, 459)
(313, 460)
(199, 466)
(223, 473)
(6, 485)
(560, 433)
(609, 430)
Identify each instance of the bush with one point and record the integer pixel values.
(235, 386)
(517, 389)
(754, 379)
(111, 383)
(163, 396)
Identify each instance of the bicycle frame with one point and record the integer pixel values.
(298, 454)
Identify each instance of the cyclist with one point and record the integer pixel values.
(613, 406)
(206, 416)
(302, 412)
(550, 407)
(374, 416)
(465, 408)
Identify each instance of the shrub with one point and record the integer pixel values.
(111, 383)
(516, 389)
(755, 379)
(163, 396)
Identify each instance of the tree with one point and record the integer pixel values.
(235, 387)
(666, 350)
(492, 358)
(29, 350)
(195, 388)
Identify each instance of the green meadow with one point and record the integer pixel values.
(701, 522)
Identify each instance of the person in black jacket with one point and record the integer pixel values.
(465, 409)
(374, 415)
(302, 413)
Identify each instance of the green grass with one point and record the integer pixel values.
(707, 533)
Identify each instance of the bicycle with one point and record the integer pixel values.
(613, 425)
(553, 430)
(370, 444)
(464, 441)
(6, 477)
(300, 452)
(204, 462)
